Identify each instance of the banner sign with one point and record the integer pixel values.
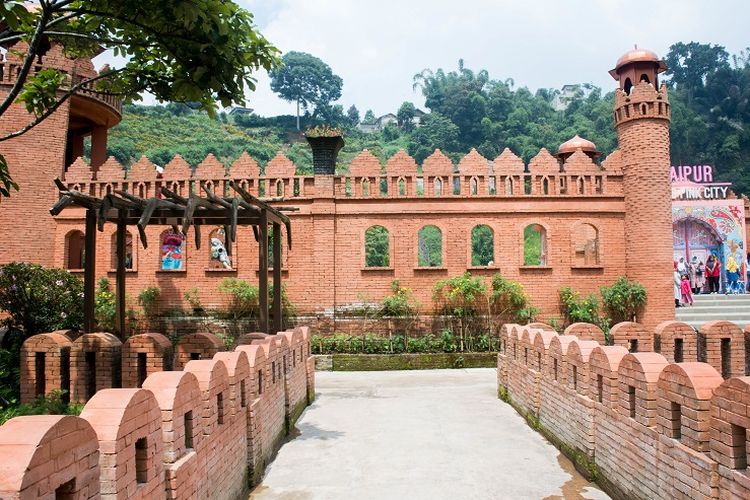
(695, 182)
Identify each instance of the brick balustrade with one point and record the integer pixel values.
(642, 425)
(206, 432)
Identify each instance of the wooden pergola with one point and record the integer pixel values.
(125, 209)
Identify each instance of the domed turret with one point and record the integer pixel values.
(642, 115)
(570, 146)
(636, 66)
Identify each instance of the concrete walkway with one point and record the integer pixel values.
(435, 434)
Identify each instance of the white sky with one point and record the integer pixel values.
(377, 46)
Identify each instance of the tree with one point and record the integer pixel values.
(436, 131)
(306, 80)
(353, 115)
(178, 51)
(405, 116)
(690, 64)
(369, 118)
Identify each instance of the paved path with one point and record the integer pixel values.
(434, 434)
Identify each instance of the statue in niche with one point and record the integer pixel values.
(219, 252)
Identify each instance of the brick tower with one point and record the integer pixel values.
(37, 157)
(642, 117)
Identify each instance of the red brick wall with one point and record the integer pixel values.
(681, 433)
(206, 456)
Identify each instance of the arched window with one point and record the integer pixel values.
(509, 186)
(545, 185)
(279, 188)
(172, 251)
(401, 186)
(579, 185)
(628, 85)
(585, 239)
(74, 250)
(366, 188)
(438, 184)
(218, 256)
(430, 247)
(534, 245)
(482, 246)
(128, 251)
(377, 247)
(474, 186)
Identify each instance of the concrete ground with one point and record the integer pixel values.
(433, 434)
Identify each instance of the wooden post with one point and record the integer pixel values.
(277, 326)
(263, 272)
(120, 290)
(89, 272)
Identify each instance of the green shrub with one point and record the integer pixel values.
(149, 301)
(579, 309)
(624, 300)
(51, 404)
(527, 315)
(243, 297)
(10, 373)
(509, 301)
(193, 297)
(105, 307)
(460, 296)
(401, 303)
(39, 299)
(448, 341)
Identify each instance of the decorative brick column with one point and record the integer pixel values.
(45, 365)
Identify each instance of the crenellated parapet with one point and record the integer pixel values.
(643, 101)
(474, 176)
(651, 428)
(208, 431)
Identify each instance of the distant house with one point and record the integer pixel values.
(418, 114)
(387, 119)
(568, 93)
(239, 110)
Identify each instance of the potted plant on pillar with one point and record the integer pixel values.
(325, 142)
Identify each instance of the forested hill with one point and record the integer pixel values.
(710, 121)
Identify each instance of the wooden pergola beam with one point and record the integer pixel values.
(124, 209)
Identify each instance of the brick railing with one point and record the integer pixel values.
(544, 178)
(9, 72)
(207, 431)
(640, 424)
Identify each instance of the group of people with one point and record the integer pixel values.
(695, 277)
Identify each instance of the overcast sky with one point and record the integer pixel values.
(377, 46)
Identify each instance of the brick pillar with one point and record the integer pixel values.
(323, 211)
(98, 147)
(642, 123)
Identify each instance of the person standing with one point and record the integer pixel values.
(732, 275)
(692, 270)
(687, 294)
(677, 286)
(682, 266)
(713, 272)
(700, 277)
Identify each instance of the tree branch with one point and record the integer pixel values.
(72, 90)
(60, 34)
(28, 61)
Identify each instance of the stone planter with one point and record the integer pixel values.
(324, 151)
